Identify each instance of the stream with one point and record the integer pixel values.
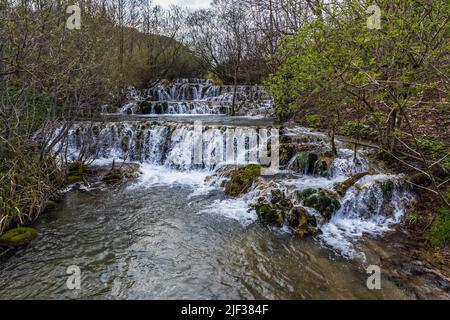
(174, 234)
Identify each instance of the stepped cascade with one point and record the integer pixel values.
(197, 96)
(372, 202)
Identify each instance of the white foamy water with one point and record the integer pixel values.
(365, 210)
(153, 175)
(165, 152)
(235, 209)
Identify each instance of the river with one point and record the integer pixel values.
(170, 234)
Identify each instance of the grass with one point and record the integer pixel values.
(26, 184)
(438, 235)
(242, 179)
(436, 149)
(313, 120)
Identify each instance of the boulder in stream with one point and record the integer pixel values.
(18, 236)
(281, 210)
(324, 201)
(242, 179)
(302, 222)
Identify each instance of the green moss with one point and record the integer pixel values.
(270, 214)
(323, 202)
(276, 212)
(313, 120)
(18, 236)
(412, 219)
(242, 179)
(302, 195)
(77, 169)
(306, 162)
(74, 179)
(438, 235)
(50, 204)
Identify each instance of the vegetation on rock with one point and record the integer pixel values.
(18, 236)
(342, 188)
(281, 210)
(324, 202)
(242, 179)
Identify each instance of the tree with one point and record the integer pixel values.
(335, 60)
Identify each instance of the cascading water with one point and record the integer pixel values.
(174, 233)
(167, 144)
(370, 205)
(197, 96)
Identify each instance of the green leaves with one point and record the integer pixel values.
(338, 61)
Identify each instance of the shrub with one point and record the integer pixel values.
(439, 233)
(355, 128)
(313, 120)
(26, 184)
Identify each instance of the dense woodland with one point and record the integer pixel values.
(384, 87)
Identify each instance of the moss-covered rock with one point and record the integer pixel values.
(126, 171)
(50, 204)
(312, 162)
(18, 236)
(324, 202)
(277, 195)
(287, 152)
(113, 176)
(283, 211)
(303, 194)
(302, 222)
(305, 163)
(323, 164)
(299, 216)
(341, 188)
(276, 211)
(74, 179)
(270, 214)
(242, 179)
(76, 169)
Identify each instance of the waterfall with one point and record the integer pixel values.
(177, 152)
(196, 96)
(169, 144)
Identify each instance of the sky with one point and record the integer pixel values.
(193, 4)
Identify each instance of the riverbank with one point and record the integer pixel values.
(422, 251)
